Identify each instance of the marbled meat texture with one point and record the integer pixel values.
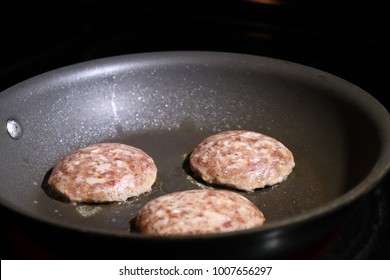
(198, 212)
(242, 159)
(104, 172)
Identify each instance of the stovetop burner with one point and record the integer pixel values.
(346, 38)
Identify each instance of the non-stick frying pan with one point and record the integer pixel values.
(166, 103)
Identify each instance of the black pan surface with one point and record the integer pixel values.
(166, 103)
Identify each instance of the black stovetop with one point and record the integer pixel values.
(350, 39)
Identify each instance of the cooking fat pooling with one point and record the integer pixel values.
(109, 172)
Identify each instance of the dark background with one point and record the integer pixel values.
(347, 38)
(350, 39)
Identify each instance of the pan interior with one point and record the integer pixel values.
(166, 104)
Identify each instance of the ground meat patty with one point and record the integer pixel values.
(104, 172)
(198, 212)
(241, 159)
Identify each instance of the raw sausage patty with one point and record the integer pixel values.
(104, 172)
(198, 212)
(242, 159)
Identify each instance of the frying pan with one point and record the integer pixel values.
(166, 103)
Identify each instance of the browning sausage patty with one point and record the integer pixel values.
(104, 172)
(242, 159)
(198, 212)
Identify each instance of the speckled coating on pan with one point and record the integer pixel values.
(104, 172)
(198, 212)
(240, 159)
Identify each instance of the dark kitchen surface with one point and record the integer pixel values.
(350, 39)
